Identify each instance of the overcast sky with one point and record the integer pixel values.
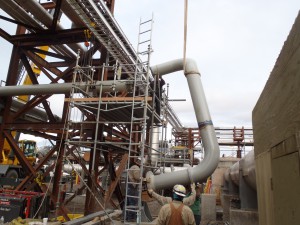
(234, 42)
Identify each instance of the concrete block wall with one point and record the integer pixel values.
(276, 129)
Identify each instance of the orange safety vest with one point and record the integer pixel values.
(176, 215)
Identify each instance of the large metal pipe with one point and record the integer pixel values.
(35, 114)
(245, 168)
(63, 88)
(19, 14)
(70, 13)
(248, 169)
(234, 173)
(154, 145)
(38, 11)
(210, 143)
(173, 119)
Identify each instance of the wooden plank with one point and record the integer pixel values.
(108, 99)
(114, 183)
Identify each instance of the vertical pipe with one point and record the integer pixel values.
(210, 143)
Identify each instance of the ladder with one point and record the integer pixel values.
(138, 125)
(238, 136)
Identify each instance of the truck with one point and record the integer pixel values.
(10, 169)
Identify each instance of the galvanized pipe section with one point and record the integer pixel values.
(63, 88)
(210, 143)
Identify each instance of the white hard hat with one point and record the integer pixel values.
(179, 189)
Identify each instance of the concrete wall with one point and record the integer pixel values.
(276, 127)
(218, 175)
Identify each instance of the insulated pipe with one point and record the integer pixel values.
(19, 14)
(248, 169)
(33, 113)
(173, 119)
(154, 145)
(62, 88)
(210, 143)
(246, 166)
(234, 173)
(69, 12)
(38, 11)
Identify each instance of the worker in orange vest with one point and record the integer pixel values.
(176, 212)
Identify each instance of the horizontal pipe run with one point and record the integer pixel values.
(62, 88)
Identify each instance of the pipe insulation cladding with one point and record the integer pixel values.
(245, 168)
(211, 147)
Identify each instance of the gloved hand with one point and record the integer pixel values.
(150, 191)
(193, 186)
(148, 179)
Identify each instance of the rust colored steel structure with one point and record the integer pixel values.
(228, 137)
(31, 33)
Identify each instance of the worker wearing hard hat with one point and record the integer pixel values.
(134, 176)
(188, 200)
(176, 212)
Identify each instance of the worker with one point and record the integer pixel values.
(197, 204)
(176, 212)
(132, 190)
(162, 200)
(157, 85)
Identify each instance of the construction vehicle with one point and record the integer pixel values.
(10, 166)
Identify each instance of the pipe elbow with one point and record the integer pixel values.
(209, 138)
(190, 67)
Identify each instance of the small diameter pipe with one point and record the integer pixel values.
(212, 152)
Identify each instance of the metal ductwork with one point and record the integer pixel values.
(210, 143)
